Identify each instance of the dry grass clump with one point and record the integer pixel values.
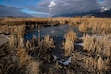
(31, 44)
(15, 29)
(83, 28)
(70, 35)
(101, 26)
(45, 48)
(18, 32)
(33, 67)
(3, 28)
(91, 64)
(68, 45)
(96, 26)
(24, 58)
(26, 61)
(61, 21)
(97, 64)
(28, 45)
(47, 42)
(12, 41)
(98, 44)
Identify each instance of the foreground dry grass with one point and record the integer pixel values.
(98, 44)
(35, 57)
(99, 47)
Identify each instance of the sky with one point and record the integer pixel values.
(48, 8)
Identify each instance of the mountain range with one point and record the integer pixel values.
(102, 12)
(6, 11)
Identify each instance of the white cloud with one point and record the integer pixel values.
(52, 4)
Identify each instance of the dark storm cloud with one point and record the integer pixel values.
(57, 7)
(12, 11)
(108, 3)
(52, 7)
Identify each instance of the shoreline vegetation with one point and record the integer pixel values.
(73, 54)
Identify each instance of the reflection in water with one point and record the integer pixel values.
(55, 31)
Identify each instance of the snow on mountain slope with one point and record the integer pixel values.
(104, 9)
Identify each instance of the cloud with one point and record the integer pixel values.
(12, 11)
(20, 12)
(52, 4)
(58, 7)
(108, 3)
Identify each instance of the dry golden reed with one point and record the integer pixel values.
(70, 35)
(47, 42)
(68, 45)
(96, 26)
(24, 58)
(83, 28)
(12, 41)
(98, 64)
(97, 44)
(33, 67)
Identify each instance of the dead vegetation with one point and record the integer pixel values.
(33, 67)
(98, 44)
(68, 45)
(99, 52)
(96, 26)
(34, 56)
(47, 42)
